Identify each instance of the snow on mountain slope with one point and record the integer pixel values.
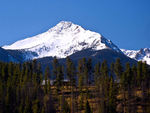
(139, 55)
(63, 40)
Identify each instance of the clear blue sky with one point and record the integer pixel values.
(125, 22)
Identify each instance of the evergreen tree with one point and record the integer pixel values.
(10, 69)
(55, 65)
(80, 82)
(5, 72)
(129, 81)
(34, 66)
(112, 69)
(118, 69)
(35, 106)
(70, 70)
(39, 74)
(64, 105)
(59, 78)
(27, 108)
(144, 85)
(81, 101)
(139, 73)
(134, 73)
(86, 76)
(104, 86)
(112, 96)
(97, 73)
(87, 107)
(80, 75)
(89, 68)
(47, 80)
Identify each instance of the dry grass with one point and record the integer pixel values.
(93, 100)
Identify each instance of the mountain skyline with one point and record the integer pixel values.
(63, 40)
(67, 38)
(75, 24)
(136, 49)
(126, 23)
(139, 55)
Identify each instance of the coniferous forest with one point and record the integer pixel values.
(85, 88)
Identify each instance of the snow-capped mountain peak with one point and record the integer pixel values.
(139, 55)
(62, 26)
(63, 40)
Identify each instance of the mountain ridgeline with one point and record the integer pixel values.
(66, 39)
(139, 55)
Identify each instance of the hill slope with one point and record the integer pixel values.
(6, 57)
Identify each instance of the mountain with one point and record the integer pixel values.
(96, 56)
(66, 39)
(22, 55)
(62, 40)
(6, 57)
(139, 55)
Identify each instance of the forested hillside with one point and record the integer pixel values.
(74, 89)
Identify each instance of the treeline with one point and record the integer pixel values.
(87, 89)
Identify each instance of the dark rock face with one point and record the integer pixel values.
(96, 56)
